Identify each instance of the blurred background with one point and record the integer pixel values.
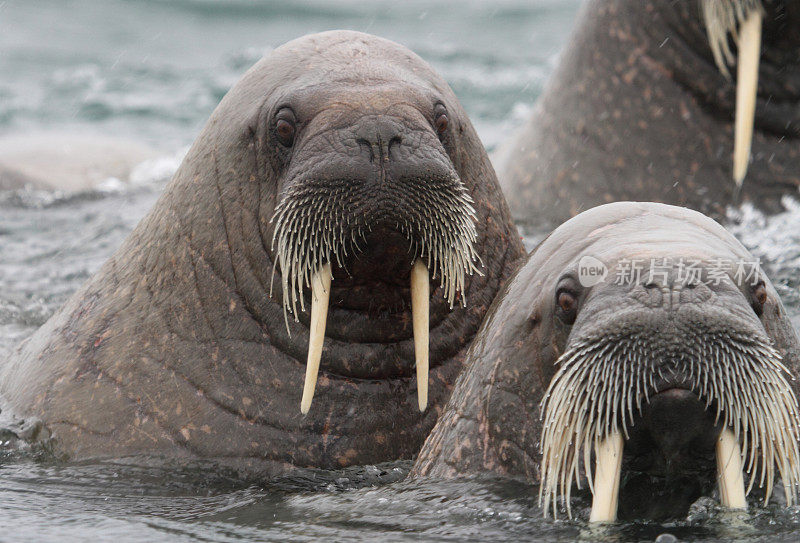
(154, 70)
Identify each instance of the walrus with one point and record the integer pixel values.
(642, 335)
(66, 162)
(337, 214)
(652, 102)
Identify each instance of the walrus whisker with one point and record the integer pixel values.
(310, 234)
(724, 17)
(592, 393)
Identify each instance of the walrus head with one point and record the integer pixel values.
(645, 337)
(666, 363)
(368, 189)
(369, 198)
(376, 207)
(663, 355)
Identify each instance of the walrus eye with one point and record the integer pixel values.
(567, 306)
(285, 126)
(440, 120)
(759, 298)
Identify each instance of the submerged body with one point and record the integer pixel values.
(338, 150)
(639, 109)
(67, 162)
(635, 328)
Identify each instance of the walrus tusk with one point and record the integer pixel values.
(608, 466)
(420, 311)
(746, 90)
(320, 294)
(729, 471)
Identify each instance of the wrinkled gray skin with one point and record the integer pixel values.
(176, 347)
(638, 110)
(492, 420)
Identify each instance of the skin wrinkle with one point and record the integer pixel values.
(236, 290)
(151, 414)
(491, 422)
(636, 81)
(194, 253)
(206, 396)
(224, 225)
(252, 267)
(235, 370)
(196, 285)
(508, 388)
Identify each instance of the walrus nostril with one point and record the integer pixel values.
(366, 146)
(395, 141)
(378, 138)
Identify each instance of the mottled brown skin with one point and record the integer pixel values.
(492, 421)
(176, 347)
(638, 110)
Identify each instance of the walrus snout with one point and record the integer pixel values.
(680, 427)
(360, 170)
(377, 137)
(669, 456)
(669, 376)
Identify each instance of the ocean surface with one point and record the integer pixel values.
(151, 72)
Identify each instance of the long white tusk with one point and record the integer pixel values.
(320, 294)
(608, 467)
(746, 90)
(420, 313)
(729, 471)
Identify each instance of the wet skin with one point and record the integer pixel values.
(639, 110)
(675, 326)
(182, 346)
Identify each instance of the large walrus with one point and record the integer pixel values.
(651, 340)
(335, 165)
(642, 107)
